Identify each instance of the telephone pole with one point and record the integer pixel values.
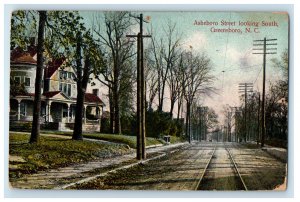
(258, 130)
(202, 117)
(264, 43)
(245, 88)
(141, 92)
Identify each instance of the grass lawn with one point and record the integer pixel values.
(53, 152)
(125, 139)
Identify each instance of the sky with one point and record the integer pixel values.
(231, 53)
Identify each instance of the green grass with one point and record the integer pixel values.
(175, 139)
(124, 139)
(56, 152)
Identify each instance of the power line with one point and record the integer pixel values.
(226, 50)
(258, 75)
(265, 43)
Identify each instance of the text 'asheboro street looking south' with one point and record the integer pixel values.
(248, 26)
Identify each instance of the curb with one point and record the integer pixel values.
(108, 172)
(116, 169)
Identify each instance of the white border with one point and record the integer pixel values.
(218, 6)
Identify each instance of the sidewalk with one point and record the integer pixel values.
(58, 178)
(277, 152)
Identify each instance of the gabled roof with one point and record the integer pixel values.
(89, 97)
(18, 55)
(53, 66)
(51, 93)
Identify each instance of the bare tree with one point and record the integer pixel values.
(164, 53)
(151, 80)
(175, 82)
(118, 51)
(198, 81)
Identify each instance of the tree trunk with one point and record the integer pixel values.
(111, 111)
(35, 131)
(116, 101)
(81, 89)
(179, 107)
(172, 107)
(188, 120)
(117, 115)
(77, 133)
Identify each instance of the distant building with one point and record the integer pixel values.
(58, 94)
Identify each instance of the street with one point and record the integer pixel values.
(199, 166)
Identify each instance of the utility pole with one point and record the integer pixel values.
(258, 131)
(245, 88)
(236, 122)
(229, 124)
(233, 113)
(200, 117)
(264, 52)
(203, 113)
(141, 92)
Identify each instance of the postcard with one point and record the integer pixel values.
(123, 100)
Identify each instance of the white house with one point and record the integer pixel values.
(58, 94)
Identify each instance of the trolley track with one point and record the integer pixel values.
(236, 169)
(206, 166)
(209, 167)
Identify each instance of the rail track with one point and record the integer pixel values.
(236, 169)
(183, 185)
(205, 168)
(244, 187)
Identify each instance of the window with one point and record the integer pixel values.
(69, 90)
(27, 81)
(17, 80)
(70, 75)
(96, 92)
(65, 88)
(60, 74)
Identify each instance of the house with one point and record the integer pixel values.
(58, 94)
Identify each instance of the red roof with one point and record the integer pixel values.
(89, 97)
(53, 66)
(51, 93)
(18, 55)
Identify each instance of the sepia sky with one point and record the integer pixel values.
(231, 52)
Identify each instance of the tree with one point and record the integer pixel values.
(35, 131)
(23, 26)
(175, 83)
(198, 81)
(212, 119)
(165, 52)
(118, 50)
(16, 88)
(151, 79)
(76, 43)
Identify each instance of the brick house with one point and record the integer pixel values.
(58, 94)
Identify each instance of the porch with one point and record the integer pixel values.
(56, 114)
